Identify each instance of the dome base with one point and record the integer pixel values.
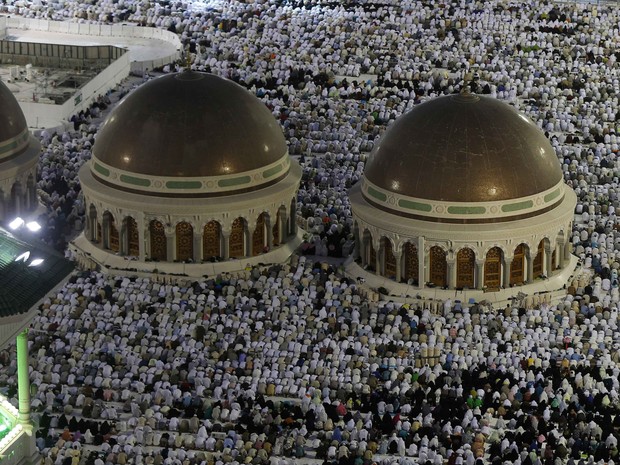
(551, 289)
(90, 256)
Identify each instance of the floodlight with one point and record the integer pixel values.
(16, 223)
(36, 262)
(23, 257)
(33, 226)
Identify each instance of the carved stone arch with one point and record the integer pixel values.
(428, 245)
(490, 245)
(250, 221)
(467, 245)
(184, 219)
(137, 216)
(399, 244)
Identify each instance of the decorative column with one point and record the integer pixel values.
(94, 230)
(23, 381)
(17, 200)
(282, 227)
(124, 238)
(567, 251)
(225, 246)
(105, 231)
(421, 263)
(171, 244)
(559, 247)
(479, 274)
(198, 245)
(530, 267)
(142, 243)
(268, 232)
(548, 267)
(33, 192)
(398, 258)
(506, 265)
(293, 217)
(247, 239)
(365, 251)
(451, 273)
(378, 254)
(357, 251)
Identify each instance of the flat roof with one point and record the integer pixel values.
(53, 86)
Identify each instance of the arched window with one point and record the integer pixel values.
(258, 236)
(112, 242)
(389, 269)
(539, 260)
(133, 238)
(493, 268)
(159, 248)
(211, 240)
(517, 267)
(465, 268)
(185, 241)
(237, 238)
(438, 267)
(411, 262)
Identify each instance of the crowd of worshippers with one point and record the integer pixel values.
(336, 75)
(294, 362)
(291, 361)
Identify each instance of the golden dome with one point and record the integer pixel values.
(189, 124)
(464, 148)
(12, 120)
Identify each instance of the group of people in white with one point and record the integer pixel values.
(288, 364)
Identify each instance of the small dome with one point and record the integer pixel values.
(190, 124)
(464, 148)
(12, 120)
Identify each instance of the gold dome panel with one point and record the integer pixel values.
(12, 120)
(190, 124)
(464, 148)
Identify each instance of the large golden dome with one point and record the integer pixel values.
(464, 148)
(193, 134)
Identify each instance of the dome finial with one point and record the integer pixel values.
(466, 90)
(188, 59)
